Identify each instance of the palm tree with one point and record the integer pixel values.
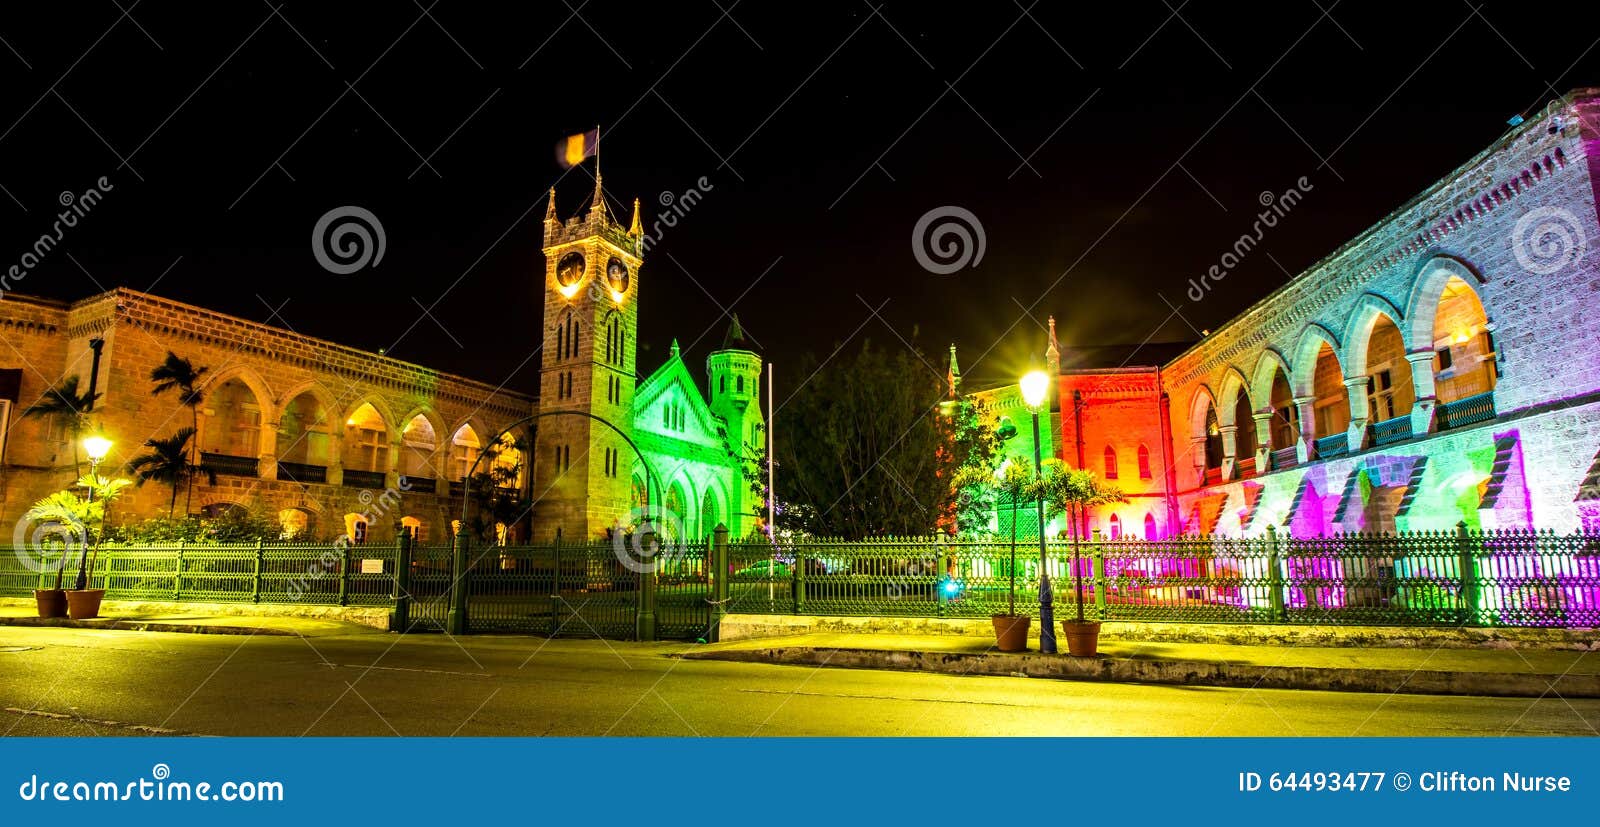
(1075, 491)
(178, 374)
(168, 462)
(67, 401)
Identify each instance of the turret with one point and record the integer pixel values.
(734, 371)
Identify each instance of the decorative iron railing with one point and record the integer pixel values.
(229, 464)
(363, 479)
(1391, 430)
(1285, 458)
(1333, 445)
(1466, 411)
(302, 472)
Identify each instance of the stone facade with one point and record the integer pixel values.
(1442, 367)
(294, 424)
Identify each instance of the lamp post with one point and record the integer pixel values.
(96, 447)
(1005, 433)
(1034, 387)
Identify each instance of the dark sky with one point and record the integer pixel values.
(826, 130)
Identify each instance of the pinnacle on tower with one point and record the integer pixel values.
(1053, 352)
(735, 338)
(550, 209)
(599, 205)
(954, 375)
(636, 229)
(674, 348)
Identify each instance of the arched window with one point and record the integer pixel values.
(417, 446)
(232, 422)
(294, 524)
(366, 440)
(1116, 527)
(1244, 439)
(1111, 463)
(1149, 526)
(1213, 439)
(1144, 462)
(464, 448)
(355, 529)
(413, 527)
(1464, 362)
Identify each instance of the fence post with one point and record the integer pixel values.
(1097, 554)
(555, 584)
(1274, 577)
(255, 573)
(645, 621)
(400, 621)
(1468, 563)
(799, 579)
(177, 575)
(719, 582)
(456, 620)
(344, 575)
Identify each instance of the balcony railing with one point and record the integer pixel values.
(1213, 476)
(1467, 411)
(230, 465)
(302, 472)
(1247, 468)
(1333, 445)
(1392, 430)
(363, 479)
(421, 485)
(1285, 458)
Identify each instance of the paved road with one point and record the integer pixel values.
(112, 682)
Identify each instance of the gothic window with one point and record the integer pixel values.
(1111, 463)
(1116, 527)
(464, 448)
(355, 528)
(738, 384)
(366, 440)
(413, 527)
(1144, 462)
(1150, 527)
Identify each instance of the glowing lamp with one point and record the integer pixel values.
(1034, 386)
(1461, 337)
(568, 291)
(617, 297)
(96, 447)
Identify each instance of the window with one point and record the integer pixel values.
(413, 527)
(739, 384)
(1445, 361)
(1150, 526)
(1116, 527)
(355, 528)
(1111, 463)
(1144, 462)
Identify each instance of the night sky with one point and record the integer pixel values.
(1111, 153)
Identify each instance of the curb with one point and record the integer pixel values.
(1172, 672)
(142, 626)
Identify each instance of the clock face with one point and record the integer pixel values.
(617, 275)
(569, 270)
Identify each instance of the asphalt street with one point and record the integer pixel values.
(83, 682)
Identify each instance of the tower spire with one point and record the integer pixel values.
(599, 205)
(636, 229)
(954, 374)
(550, 208)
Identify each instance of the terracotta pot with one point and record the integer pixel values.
(52, 602)
(1011, 632)
(1083, 639)
(83, 604)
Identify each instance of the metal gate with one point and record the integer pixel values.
(589, 589)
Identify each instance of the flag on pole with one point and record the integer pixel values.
(575, 149)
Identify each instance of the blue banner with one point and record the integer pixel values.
(793, 781)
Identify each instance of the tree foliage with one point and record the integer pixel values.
(168, 462)
(873, 448)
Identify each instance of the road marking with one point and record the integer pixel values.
(57, 716)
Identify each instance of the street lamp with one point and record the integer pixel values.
(96, 446)
(1034, 387)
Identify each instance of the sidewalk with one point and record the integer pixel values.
(1493, 672)
(165, 619)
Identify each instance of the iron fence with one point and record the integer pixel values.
(1462, 577)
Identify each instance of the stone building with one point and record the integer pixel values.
(1442, 367)
(329, 440)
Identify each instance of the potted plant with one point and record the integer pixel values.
(1011, 629)
(82, 601)
(60, 518)
(1074, 492)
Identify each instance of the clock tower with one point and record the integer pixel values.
(581, 467)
